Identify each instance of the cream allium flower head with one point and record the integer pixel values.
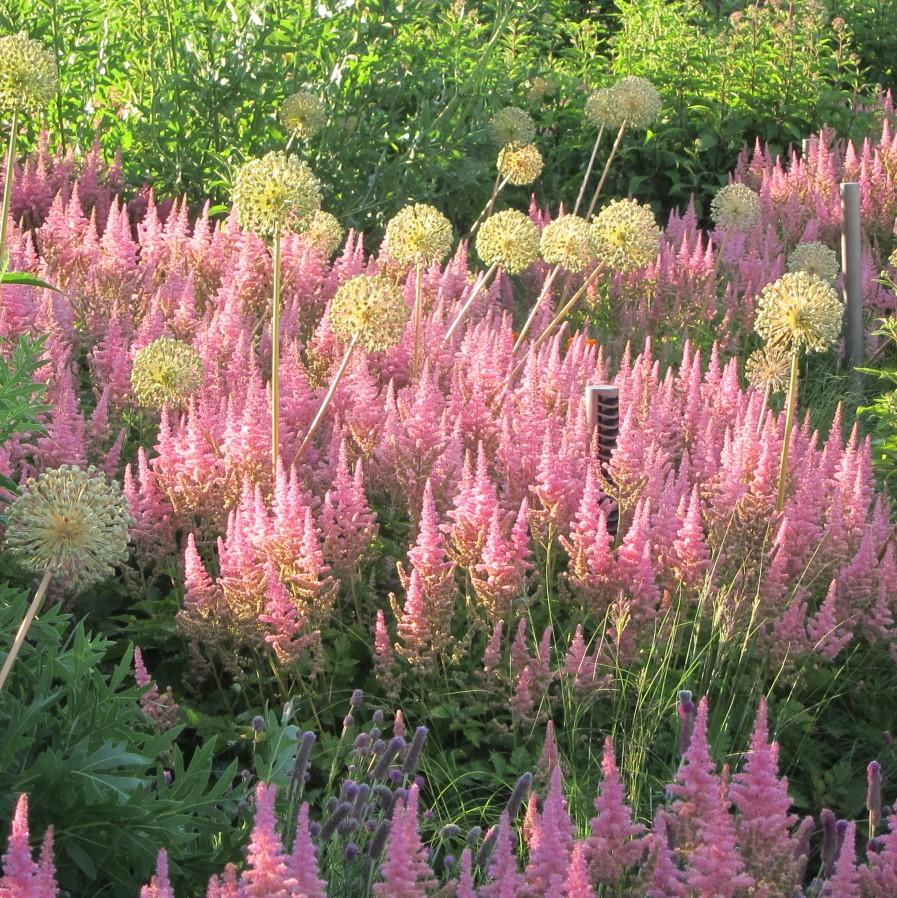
(512, 125)
(166, 372)
(276, 191)
(71, 522)
(325, 233)
(509, 239)
(815, 258)
(636, 101)
(625, 236)
(799, 311)
(892, 259)
(418, 233)
(520, 163)
(565, 242)
(372, 307)
(537, 89)
(303, 114)
(600, 108)
(768, 369)
(28, 75)
(735, 207)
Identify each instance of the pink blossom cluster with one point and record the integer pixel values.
(717, 834)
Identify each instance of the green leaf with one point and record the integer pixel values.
(24, 279)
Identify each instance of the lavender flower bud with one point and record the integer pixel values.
(345, 827)
(351, 851)
(377, 718)
(330, 804)
(449, 861)
(340, 813)
(361, 800)
(395, 775)
(258, 724)
(396, 744)
(370, 825)
(357, 699)
(303, 753)
(428, 815)
(383, 794)
(348, 791)
(521, 790)
(379, 747)
(378, 842)
(314, 829)
(399, 795)
(487, 847)
(473, 835)
(829, 841)
(687, 714)
(375, 733)
(449, 831)
(362, 741)
(348, 722)
(873, 794)
(412, 757)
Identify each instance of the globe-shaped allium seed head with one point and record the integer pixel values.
(565, 242)
(28, 75)
(71, 522)
(539, 88)
(325, 233)
(735, 207)
(798, 312)
(520, 163)
(636, 101)
(625, 236)
(509, 239)
(303, 114)
(166, 372)
(512, 125)
(418, 233)
(815, 258)
(892, 259)
(371, 308)
(276, 192)
(768, 368)
(600, 109)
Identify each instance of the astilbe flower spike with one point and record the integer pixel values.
(578, 883)
(22, 877)
(267, 873)
(406, 872)
(303, 862)
(159, 885)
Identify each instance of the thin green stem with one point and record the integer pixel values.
(7, 188)
(24, 627)
(790, 404)
(415, 360)
(607, 165)
(588, 174)
(275, 356)
(487, 209)
(546, 286)
(477, 289)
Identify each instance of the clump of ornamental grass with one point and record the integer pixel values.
(797, 313)
(28, 82)
(366, 310)
(735, 207)
(815, 258)
(325, 233)
(166, 372)
(70, 524)
(418, 235)
(303, 114)
(274, 194)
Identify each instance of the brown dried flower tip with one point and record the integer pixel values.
(815, 258)
(735, 207)
(624, 236)
(28, 76)
(303, 115)
(512, 125)
(509, 239)
(520, 163)
(276, 192)
(798, 312)
(418, 233)
(768, 369)
(71, 522)
(565, 242)
(371, 308)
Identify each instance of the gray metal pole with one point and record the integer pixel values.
(851, 263)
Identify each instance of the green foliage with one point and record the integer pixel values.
(76, 739)
(882, 410)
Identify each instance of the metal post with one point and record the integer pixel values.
(603, 414)
(851, 264)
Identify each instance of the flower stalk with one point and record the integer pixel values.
(22, 632)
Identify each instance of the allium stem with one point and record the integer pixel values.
(7, 188)
(546, 286)
(477, 289)
(275, 356)
(415, 358)
(487, 209)
(763, 407)
(319, 417)
(791, 403)
(588, 174)
(607, 165)
(24, 627)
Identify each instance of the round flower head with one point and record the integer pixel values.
(166, 372)
(520, 163)
(768, 369)
(625, 236)
(275, 192)
(600, 108)
(418, 233)
(325, 233)
(509, 239)
(565, 242)
(538, 89)
(28, 76)
(892, 259)
(71, 522)
(815, 258)
(735, 207)
(799, 311)
(636, 101)
(373, 308)
(302, 114)
(512, 125)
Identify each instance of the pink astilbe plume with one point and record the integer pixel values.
(161, 710)
(661, 877)
(504, 879)
(550, 860)
(465, 887)
(303, 862)
(159, 886)
(578, 883)
(22, 877)
(845, 883)
(878, 879)
(405, 872)
(267, 873)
